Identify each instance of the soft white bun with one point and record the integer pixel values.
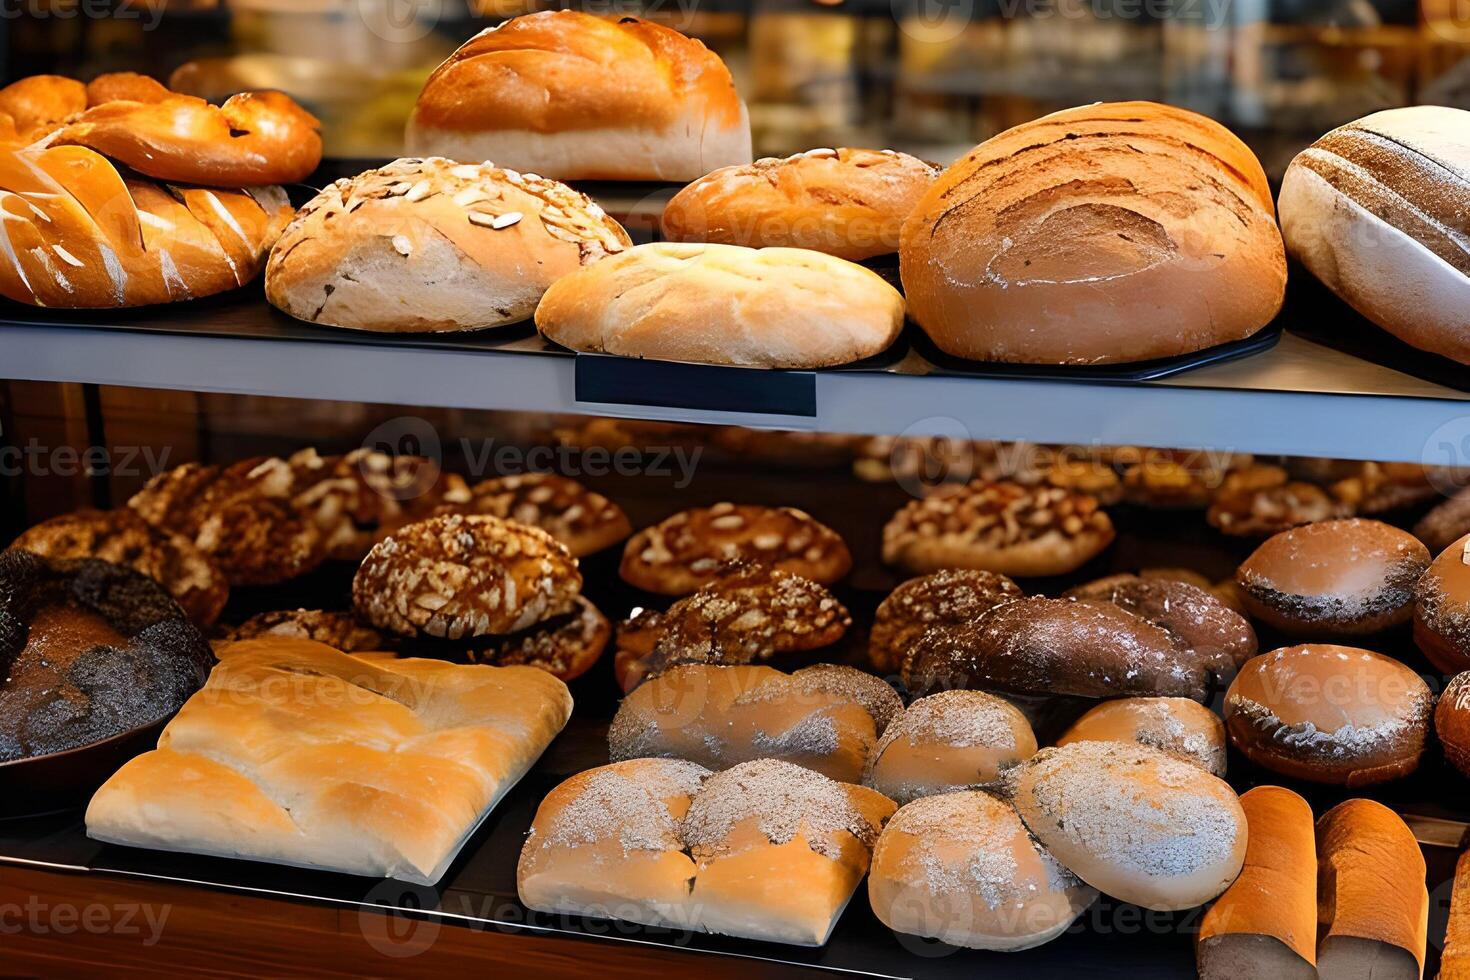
(963, 869)
(1183, 728)
(1133, 822)
(950, 741)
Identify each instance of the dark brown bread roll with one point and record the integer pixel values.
(952, 597)
(1442, 609)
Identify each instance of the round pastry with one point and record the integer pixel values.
(36, 104)
(240, 516)
(431, 245)
(1185, 729)
(582, 97)
(1329, 714)
(685, 552)
(1198, 621)
(1086, 475)
(997, 526)
(88, 650)
(564, 646)
(845, 202)
(584, 521)
(1133, 822)
(1335, 578)
(1446, 523)
(456, 576)
(1049, 647)
(338, 630)
(962, 868)
(1442, 609)
(1259, 500)
(950, 741)
(124, 538)
(1107, 233)
(951, 597)
(1452, 722)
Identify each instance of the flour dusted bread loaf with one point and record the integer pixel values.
(849, 203)
(1185, 729)
(1376, 210)
(423, 246)
(296, 753)
(962, 868)
(950, 741)
(724, 304)
(579, 97)
(766, 850)
(1102, 234)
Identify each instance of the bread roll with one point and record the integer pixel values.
(724, 304)
(579, 97)
(1454, 960)
(949, 597)
(950, 741)
(1372, 906)
(1133, 822)
(1376, 210)
(1452, 721)
(1329, 714)
(1129, 230)
(1442, 609)
(423, 246)
(1185, 729)
(848, 203)
(1334, 578)
(295, 753)
(719, 716)
(1265, 925)
(963, 869)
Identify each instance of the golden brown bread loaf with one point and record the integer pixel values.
(430, 245)
(1185, 729)
(849, 203)
(1265, 925)
(724, 304)
(1454, 960)
(1128, 230)
(950, 741)
(295, 753)
(579, 97)
(1442, 609)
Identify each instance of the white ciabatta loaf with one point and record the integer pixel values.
(962, 868)
(1102, 234)
(950, 741)
(579, 97)
(846, 202)
(1133, 822)
(1377, 210)
(297, 754)
(766, 850)
(431, 245)
(724, 304)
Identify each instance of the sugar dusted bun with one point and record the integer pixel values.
(1452, 721)
(950, 741)
(1102, 234)
(1185, 729)
(963, 869)
(1334, 578)
(1442, 609)
(1329, 714)
(1133, 822)
(845, 202)
(1265, 925)
(422, 246)
(579, 97)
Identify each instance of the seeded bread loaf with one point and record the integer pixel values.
(430, 245)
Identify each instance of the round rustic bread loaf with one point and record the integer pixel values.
(1442, 609)
(951, 597)
(950, 741)
(1183, 728)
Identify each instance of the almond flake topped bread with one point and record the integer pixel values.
(583, 520)
(566, 646)
(338, 630)
(997, 526)
(1106, 233)
(422, 246)
(685, 552)
(580, 97)
(846, 202)
(456, 576)
(724, 304)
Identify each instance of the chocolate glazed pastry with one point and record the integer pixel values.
(89, 650)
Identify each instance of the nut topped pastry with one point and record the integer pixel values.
(432, 245)
(338, 630)
(585, 521)
(124, 538)
(1259, 500)
(684, 552)
(998, 526)
(456, 576)
(564, 646)
(952, 596)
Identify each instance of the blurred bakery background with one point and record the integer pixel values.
(932, 77)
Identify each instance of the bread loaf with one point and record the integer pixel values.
(950, 741)
(1442, 609)
(1185, 729)
(1102, 234)
(1376, 210)
(1454, 960)
(724, 304)
(579, 97)
(429, 245)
